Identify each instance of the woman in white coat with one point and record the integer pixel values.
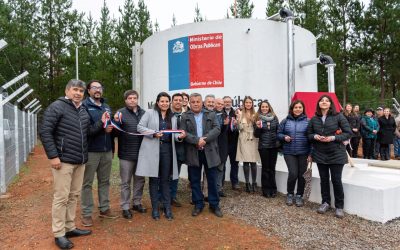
(247, 149)
(157, 156)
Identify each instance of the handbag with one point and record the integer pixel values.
(308, 178)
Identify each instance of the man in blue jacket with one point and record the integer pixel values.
(100, 158)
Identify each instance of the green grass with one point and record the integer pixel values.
(24, 170)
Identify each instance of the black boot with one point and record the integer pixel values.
(248, 187)
(155, 212)
(168, 213)
(254, 187)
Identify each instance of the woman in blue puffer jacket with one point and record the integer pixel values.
(296, 149)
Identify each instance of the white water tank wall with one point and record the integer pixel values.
(254, 63)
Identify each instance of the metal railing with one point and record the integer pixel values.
(18, 129)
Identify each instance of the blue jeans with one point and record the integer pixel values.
(396, 143)
(173, 188)
(195, 178)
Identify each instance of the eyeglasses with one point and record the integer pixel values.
(96, 88)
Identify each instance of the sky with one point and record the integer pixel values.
(162, 10)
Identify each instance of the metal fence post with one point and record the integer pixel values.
(33, 131)
(29, 131)
(3, 186)
(16, 133)
(24, 133)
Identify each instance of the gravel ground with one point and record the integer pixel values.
(303, 228)
(298, 228)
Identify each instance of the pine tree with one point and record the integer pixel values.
(156, 26)
(343, 35)
(197, 17)
(126, 36)
(56, 23)
(174, 22)
(244, 9)
(273, 7)
(382, 43)
(145, 28)
(107, 69)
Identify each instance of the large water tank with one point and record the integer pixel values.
(234, 57)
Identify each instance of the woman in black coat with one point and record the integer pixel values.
(266, 129)
(327, 131)
(354, 122)
(387, 126)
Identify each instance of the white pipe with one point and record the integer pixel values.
(331, 77)
(308, 63)
(76, 63)
(291, 58)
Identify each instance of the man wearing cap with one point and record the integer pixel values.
(64, 133)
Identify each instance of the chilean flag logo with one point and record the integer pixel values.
(196, 62)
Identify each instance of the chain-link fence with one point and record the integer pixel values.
(19, 136)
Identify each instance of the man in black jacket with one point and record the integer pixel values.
(128, 151)
(99, 160)
(223, 120)
(233, 135)
(201, 146)
(64, 134)
(177, 110)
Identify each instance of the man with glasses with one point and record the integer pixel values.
(233, 135)
(100, 158)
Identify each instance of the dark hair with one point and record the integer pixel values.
(130, 92)
(169, 113)
(175, 95)
(89, 84)
(294, 103)
(271, 110)
(345, 112)
(75, 83)
(332, 108)
(185, 94)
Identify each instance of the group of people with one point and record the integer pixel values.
(378, 130)
(78, 136)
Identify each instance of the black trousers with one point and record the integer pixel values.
(336, 176)
(161, 183)
(368, 148)
(232, 149)
(355, 142)
(297, 165)
(268, 162)
(384, 151)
